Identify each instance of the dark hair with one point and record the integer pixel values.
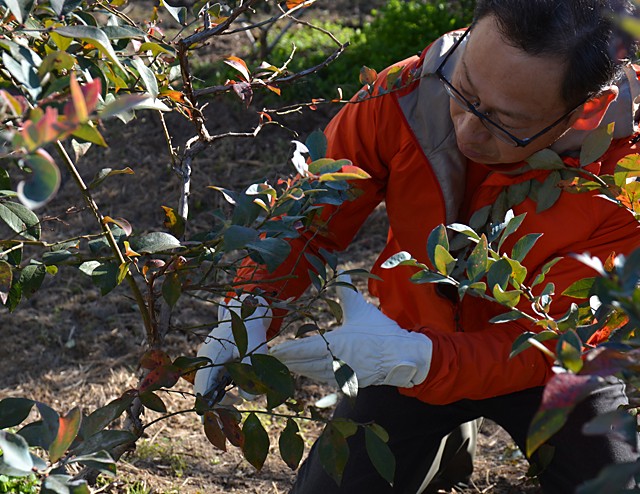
(585, 34)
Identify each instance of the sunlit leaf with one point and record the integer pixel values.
(368, 76)
(67, 432)
(151, 243)
(15, 454)
(524, 245)
(438, 236)
(93, 35)
(595, 144)
(20, 219)
(396, 259)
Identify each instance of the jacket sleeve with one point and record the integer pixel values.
(476, 364)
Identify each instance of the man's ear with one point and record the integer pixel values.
(593, 110)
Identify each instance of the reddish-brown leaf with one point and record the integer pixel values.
(154, 358)
(213, 431)
(231, 427)
(239, 65)
(160, 377)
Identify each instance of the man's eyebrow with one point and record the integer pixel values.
(500, 111)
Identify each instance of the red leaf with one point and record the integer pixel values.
(161, 377)
(566, 390)
(91, 93)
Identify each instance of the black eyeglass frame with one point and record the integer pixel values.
(470, 107)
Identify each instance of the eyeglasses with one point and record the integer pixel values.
(495, 129)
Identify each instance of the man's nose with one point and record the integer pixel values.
(470, 129)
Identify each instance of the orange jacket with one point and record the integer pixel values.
(405, 141)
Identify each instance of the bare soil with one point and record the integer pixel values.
(67, 346)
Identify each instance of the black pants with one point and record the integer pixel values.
(416, 428)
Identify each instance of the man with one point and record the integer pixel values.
(448, 141)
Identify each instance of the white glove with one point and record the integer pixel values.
(220, 346)
(374, 346)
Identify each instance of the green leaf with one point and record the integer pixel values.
(273, 251)
(438, 236)
(317, 145)
(612, 478)
(151, 243)
(499, 274)
(148, 77)
(626, 167)
(130, 102)
(506, 317)
(396, 260)
(106, 440)
(153, 402)
(43, 182)
(6, 280)
(64, 484)
(239, 331)
(178, 13)
(15, 453)
(512, 226)
(171, 288)
(88, 133)
(478, 260)
(324, 166)
(63, 7)
(124, 32)
(595, 144)
(380, 455)
(237, 237)
(275, 376)
(464, 229)
(569, 351)
(13, 411)
(93, 35)
(524, 245)
(20, 219)
(508, 298)
(545, 270)
(291, 445)
(346, 378)
(517, 193)
(444, 261)
(31, 278)
(103, 416)
(548, 193)
(256, 441)
(100, 460)
(523, 341)
(545, 159)
(580, 289)
(105, 277)
(333, 451)
(246, 378)
(108, 172)
(68, 428)
(20, 8)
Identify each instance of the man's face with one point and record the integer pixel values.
(520, 92)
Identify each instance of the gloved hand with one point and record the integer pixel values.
(374, 346)
(220, 347)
